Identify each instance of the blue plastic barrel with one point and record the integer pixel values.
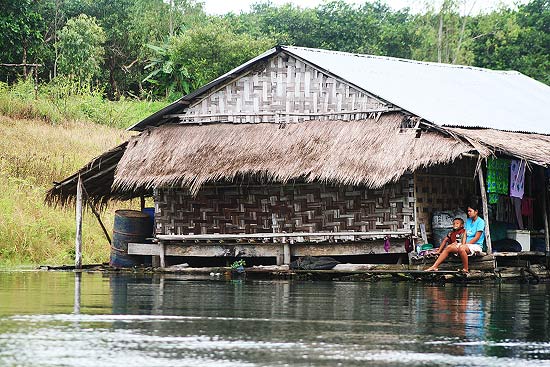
(129, 226)
(151, 213)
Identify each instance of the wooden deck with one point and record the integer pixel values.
(281, 246)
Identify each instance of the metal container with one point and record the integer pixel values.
(129, 226)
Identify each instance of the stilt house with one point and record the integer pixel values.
(313, 152)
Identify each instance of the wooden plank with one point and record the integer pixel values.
(256, 250)
(261, 250)
(185, 116)
(152, 249)
(345, 249)
(218, 236)
(78, 236)
(518, 254)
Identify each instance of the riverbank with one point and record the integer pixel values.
(33, 154)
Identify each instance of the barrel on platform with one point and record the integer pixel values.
(130, 226)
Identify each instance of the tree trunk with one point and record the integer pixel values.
(440, 34)
(112, 80)
(24, 59)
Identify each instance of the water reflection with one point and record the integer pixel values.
(97, 319)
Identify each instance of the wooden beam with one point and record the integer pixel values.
(282, 113)
(221, 236)
(23, 64)
(96, 215)
(260, 249)
(78, 239)
(485, 208)
(545, 210)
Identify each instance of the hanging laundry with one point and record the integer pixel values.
(498, 176)
(517, 178)
(527, 206)
(493, 198)
(518, 209)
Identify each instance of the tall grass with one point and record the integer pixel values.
(47, 133)
(62, 100)
(33, 154)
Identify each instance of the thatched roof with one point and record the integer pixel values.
(367, 152)
(97, 178)
(533, 148)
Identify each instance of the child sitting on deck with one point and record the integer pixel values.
(475, 228)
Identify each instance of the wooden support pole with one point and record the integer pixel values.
(545, 211)
(485, 208)
(78, 239)
(162, 248)
(77, 292)
(96, 215)
(142, 202)
(286, 254)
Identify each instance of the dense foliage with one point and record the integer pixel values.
(162, 49)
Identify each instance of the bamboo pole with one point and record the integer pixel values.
(78, 239)
(485, 208)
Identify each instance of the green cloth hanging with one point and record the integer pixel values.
(498, 176)
(493, 198)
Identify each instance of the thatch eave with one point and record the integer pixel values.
(369, 152)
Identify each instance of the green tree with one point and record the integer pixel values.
(21, 28)
(81, 49)
(518, 40)
(199, 55)
(444, 34)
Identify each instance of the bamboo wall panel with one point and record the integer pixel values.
(443, 188)
(285, 85)
(285, 208)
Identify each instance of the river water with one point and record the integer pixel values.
(94, 319)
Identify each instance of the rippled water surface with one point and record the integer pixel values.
(66, 319)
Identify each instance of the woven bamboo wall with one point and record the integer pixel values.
(443, 188)
(285, 85)
(285, 208)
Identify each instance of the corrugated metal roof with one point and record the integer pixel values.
(448, 95)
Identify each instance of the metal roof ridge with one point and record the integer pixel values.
(399, 59)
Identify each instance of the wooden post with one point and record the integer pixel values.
(545, 209)
(96, 215)
(286, 254)
(142, 202)
(77, 283)
(78, 239)
(162, 248)
(485, 208)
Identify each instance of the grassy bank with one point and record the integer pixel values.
(45, 140)
(61, 101)
(32, 155)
